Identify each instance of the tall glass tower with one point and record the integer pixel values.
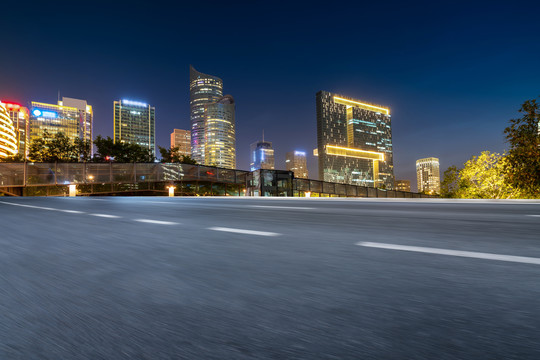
(134, 122)
(219, 129)
(354, 140)
(203, 89)
(262, 156)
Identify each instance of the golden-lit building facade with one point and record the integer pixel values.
(296, 162)
(403, 185)
(85, 116)
(20, 117)
(220, 133)
(53, 119)
(203, 89)
(182, 140)
(8, 136)
(428, 176)
(354, 141)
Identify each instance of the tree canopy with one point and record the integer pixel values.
(58, 148)
(107, 150)
(171, 156)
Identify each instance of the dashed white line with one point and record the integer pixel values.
(534, 215)
(468, 254)
(159, 222)
(244, 231)
(72, 211)
(281, 207)
(106, 216)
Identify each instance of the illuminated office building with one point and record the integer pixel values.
(219, 130)
(134, 122)
(427, 175)
(73, 117)
(85, 117)
(20, 117)
(8, 137)
(203, 89)
(403, 185)
(262, 156)
(296, 162)
(182, 140)
(354, 141)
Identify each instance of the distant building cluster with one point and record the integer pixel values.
(354, 137)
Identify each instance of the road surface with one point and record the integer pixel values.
(231, 278)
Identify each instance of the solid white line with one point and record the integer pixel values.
(243, 231)
(281, 207)
(159, 222)
(106, 216)
(468, 254)
(30, 206)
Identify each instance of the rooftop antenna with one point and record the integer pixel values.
(263, 135)
(59, 95)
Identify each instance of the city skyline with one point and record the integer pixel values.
(416, 65)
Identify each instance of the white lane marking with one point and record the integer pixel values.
(534, 215)
(159, 222)
(244, 231)
(30, 206)
(468, 254)
(281, 207)
(106, 216)
(72, 211)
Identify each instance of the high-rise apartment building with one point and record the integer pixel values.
(427, 175)
(8, 138)
(354, 141)
(262, 156)
(85, 115)
(219, 130)
(403, 185)
(20, 117)
(134, 122)
(203, 89)
(182, 140)
(296, 162)
(73, 117)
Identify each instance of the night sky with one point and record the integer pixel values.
(453, 73)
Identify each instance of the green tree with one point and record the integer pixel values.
(53, 148)
(186, 159)
(484, 177)
(523, 160)
(108, 150)
(170, 155)
(451, 182)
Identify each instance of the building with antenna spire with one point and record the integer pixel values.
(262, 155)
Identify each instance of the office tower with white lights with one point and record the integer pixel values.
(354, 141)
(403, 185)
(428, 176)
(296, 162)
(85, 116)
(134, 122)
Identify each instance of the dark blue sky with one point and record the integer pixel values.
(453, 73)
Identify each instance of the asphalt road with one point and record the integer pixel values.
(229, 278)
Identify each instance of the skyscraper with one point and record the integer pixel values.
(53, 119)
(219, 130)
(8, 138)
(134, 122)
(354, 141)
(20, 117)
(182, 140)
(427, 175)
(262, 156)
(295, 161)
(73, 117)
(403, 185)
(85, 115)
(203, 89)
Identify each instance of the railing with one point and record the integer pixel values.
(42, 174)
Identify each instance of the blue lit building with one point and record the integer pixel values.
(262, 156)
